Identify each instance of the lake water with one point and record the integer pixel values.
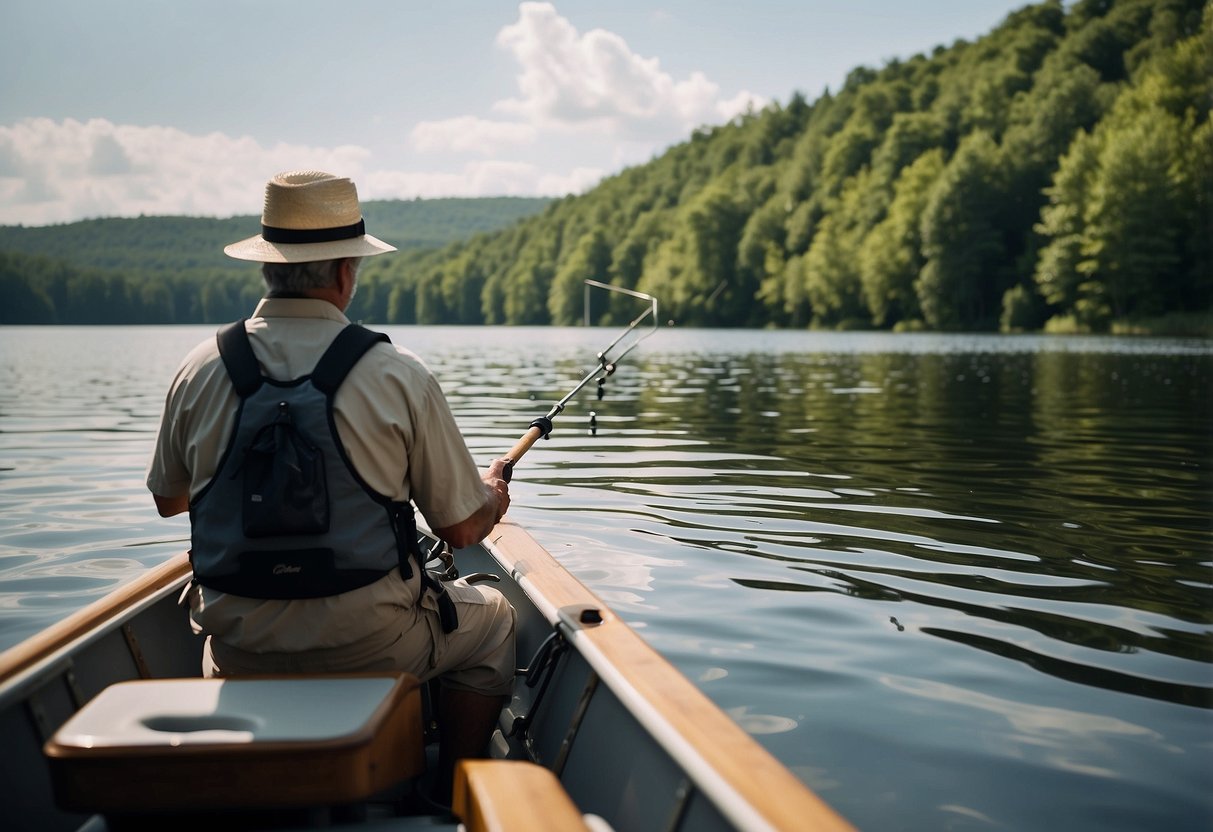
(953, 582)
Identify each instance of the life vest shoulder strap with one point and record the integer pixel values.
(347, 348)
(238, 358)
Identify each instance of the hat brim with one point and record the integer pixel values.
(257, 249)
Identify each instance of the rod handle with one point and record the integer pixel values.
(540, 428)
(520, 447)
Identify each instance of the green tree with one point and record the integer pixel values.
(832, 274)
(1133, 219)
(910, 136)
(694, 272)
(1129, 206)
(964, 277)
(154, 303)
(22, 299)
(1063, 225)
(401, 305)
(529, 278)
(1022, 309)
(628, 258)
(1196, 289)
(761, 255)
(428, 304)
(891, 255)
(834, 287)
(590, 260)
(461, 283)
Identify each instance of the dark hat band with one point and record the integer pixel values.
(312, 235)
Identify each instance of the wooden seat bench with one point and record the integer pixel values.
(181, 745)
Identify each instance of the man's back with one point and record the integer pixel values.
(395, 436)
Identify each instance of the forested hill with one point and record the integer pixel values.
(173, 269)
(1057, 172)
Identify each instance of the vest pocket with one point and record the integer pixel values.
(285, 491)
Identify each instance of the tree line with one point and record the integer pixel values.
(1056, 173)
(169, 270)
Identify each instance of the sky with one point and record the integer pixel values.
(169, 107)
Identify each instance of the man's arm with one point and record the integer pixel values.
(169, 506)
(475, 528)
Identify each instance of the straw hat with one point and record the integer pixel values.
(309, 215)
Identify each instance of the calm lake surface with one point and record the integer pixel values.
(953, 582)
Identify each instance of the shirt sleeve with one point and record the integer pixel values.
(402, 438)
(167, 474)
(444, 480)
(199, 413)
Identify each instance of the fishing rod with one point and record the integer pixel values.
(442, 552)
(542, 427)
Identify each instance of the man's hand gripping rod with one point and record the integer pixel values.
(542, 427)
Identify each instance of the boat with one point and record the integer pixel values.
(601, 733)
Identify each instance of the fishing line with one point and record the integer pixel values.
(627, 340)
(441, 551)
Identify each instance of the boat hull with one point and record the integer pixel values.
(630, 738)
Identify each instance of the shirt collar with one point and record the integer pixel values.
(299, 308)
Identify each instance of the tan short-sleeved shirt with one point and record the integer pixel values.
(396, 427)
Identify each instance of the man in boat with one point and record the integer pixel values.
(300, 483)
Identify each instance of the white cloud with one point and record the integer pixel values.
(586, 105)
(62, 171)
(108, 157)
(577, 181)
(571, 80)
(738, 105)
(478, 179)
(470, 134)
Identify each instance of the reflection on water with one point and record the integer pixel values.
(953, 582)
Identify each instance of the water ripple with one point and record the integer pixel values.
(953, 581)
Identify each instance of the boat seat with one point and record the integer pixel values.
(179, 745)
(508, 795)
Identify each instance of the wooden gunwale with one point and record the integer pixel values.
(751, 787)
(23, 660)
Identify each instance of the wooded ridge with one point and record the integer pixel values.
(1056, 173)
(173, 269)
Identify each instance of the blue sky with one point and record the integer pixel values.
(123, 107)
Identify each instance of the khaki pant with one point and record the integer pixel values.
(477, 657)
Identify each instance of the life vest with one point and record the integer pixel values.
(286, 515)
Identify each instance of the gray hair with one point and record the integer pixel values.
(294, 278)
